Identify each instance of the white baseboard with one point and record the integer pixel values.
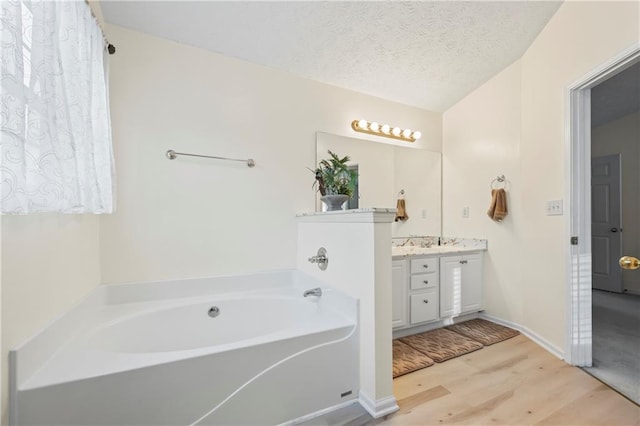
(548, 346)
(378, 408)
(319, 413)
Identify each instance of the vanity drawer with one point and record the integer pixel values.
(428, 264)
(420, 281)
(424, 307)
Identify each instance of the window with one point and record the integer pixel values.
(55, 135)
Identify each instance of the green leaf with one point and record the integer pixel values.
(335, 176)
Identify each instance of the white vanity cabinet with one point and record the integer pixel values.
(428, 288)
(399, 285)
(460, 284)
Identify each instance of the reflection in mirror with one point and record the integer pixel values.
(383, 171)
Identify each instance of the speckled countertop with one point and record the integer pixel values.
(423, 246)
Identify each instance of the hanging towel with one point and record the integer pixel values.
(498, 208)
(401, 213)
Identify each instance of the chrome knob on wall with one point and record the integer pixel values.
(321, 259)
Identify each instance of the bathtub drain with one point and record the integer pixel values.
(214, 311)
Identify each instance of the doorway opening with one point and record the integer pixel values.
(598, 181)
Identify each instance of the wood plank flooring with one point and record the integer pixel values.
(514, 382)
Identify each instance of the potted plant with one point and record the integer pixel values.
(335, 181)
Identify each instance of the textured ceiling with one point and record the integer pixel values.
(425, 53)
(616, 97)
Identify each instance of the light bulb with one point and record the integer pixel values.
(362, 124)
(396, 131)
(417, 135)
(406, 133)
(374, 126)
(385, 129)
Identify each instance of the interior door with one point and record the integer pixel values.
(606, 219)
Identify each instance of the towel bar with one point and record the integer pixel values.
(171, 155)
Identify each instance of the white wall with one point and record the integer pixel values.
(49, 262)
(198, 217)
(481, 141)
(359, 251)
(622, 136)
(3, 390)
(579, 37)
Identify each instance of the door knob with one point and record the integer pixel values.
(629, 262)
(614, 229)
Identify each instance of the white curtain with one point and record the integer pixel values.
(55, 141)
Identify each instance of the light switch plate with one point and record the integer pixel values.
(554, 208)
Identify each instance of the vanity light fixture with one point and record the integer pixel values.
(363, 126)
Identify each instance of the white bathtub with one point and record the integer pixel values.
(150, 354)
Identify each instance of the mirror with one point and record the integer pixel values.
(383, 171)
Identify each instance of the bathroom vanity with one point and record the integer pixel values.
(435, 283)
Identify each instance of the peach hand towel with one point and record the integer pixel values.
(401, 213)
(498, 208)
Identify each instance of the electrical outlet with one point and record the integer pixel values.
(424, 213)
(465, 211)
(554, 208)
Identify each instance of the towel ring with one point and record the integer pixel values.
(500, 180)
(401, 194)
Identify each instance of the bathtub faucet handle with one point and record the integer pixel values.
(321, 258)
(318, 259)
(313, 292)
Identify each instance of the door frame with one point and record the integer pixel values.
(578, 344)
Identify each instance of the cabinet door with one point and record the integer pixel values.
(399, 286)
(424, 307)
(472, 283)
(450, 285)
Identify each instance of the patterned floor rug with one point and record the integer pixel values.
(406, 359)
(483, 331)
(441, 344)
